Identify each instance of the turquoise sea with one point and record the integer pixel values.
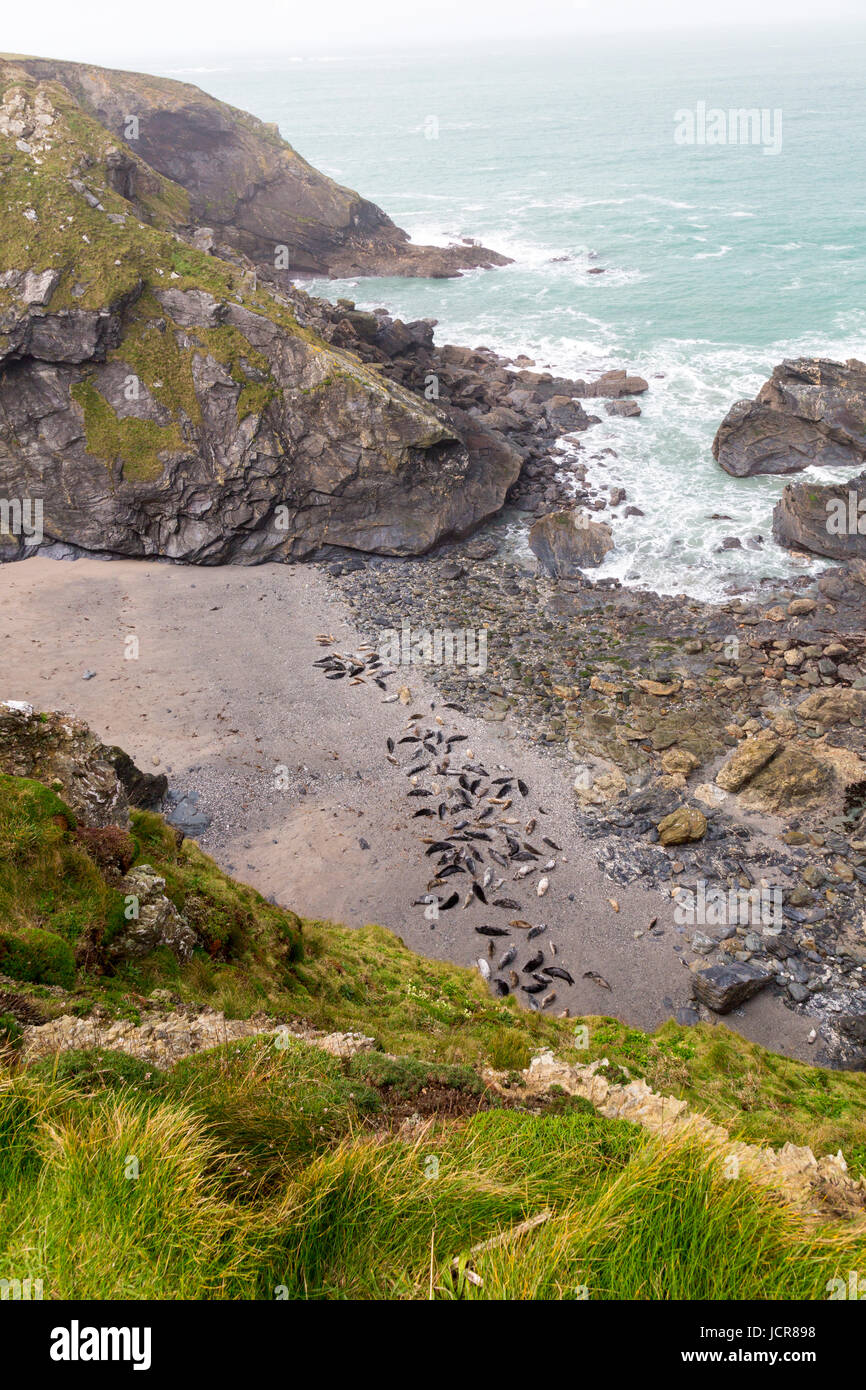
(720, 259)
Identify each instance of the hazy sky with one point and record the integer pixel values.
(119, 31)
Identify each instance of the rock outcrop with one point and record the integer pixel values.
(61, 752)
(824, 520)
(811, 411)
(157, 400)
(154, 921)
(813, 1184)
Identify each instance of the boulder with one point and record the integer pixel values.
(747, 760)
(811, 411)
(565, 414)
(838, 705)
(793, 778)
(566, 542)
(723, 987)
(617, 383)
(682, 826)
(679, 762)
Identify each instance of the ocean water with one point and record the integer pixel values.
(720, 259)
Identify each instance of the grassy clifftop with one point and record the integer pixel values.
(268, 1168)
(217, 154)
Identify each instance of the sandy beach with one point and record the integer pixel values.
(223, 693)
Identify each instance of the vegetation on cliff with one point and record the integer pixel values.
(268, 1168)
(182, 370)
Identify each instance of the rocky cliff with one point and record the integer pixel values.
(243, 181)
(156, 399)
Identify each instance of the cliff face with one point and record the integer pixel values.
(158, 400)
(246, 183)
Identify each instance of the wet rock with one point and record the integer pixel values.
(617, 383)
(566, 542)
(824, 520)
(182, 811)
(566, 415)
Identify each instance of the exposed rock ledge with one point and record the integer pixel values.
(818, 1185)
(814, 1184)
(157, 400)
(166, 391)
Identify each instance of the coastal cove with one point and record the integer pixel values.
(433, 650)
(718, 261)
(224, 693)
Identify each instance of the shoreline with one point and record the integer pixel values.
(226, 668)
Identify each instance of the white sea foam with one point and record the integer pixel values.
(712, 275)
